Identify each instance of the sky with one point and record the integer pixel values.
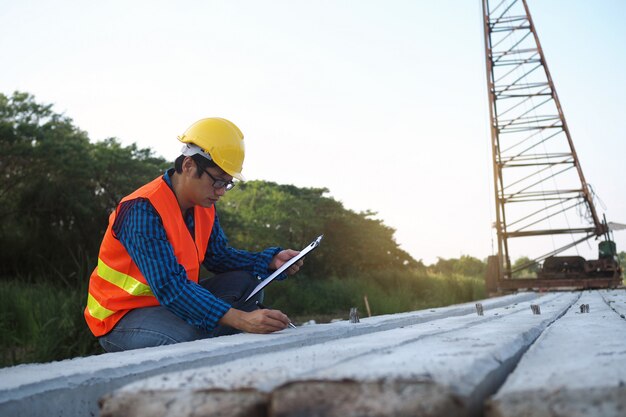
(382, 102)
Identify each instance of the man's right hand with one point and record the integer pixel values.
(257, 321)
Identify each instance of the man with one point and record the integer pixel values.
(145, 289)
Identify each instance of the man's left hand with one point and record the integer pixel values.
(283, 256)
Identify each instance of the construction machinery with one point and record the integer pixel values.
(543, 202)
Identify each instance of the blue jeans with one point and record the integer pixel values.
(155, 326)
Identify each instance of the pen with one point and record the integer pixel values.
(267, 308)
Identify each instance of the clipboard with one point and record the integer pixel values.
(286, 265)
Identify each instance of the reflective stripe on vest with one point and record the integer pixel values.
(125, 282)
(96, 310)
(117, 286)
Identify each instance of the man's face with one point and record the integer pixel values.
(211, 185)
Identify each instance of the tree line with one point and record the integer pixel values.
(58, 188)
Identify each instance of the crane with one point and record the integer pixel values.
(541, 193)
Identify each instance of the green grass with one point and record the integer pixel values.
(387, 293)
(42, 322)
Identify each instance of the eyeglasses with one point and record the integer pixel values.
(220, 183)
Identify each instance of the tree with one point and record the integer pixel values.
(528, 272)
(57, 188)
(258, 214)
(465, 265)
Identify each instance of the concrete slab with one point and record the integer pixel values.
(72, 387)
(463, 367)
(289, 368)
(577, 367)
(616, 299)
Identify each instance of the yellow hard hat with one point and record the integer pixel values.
(221, 141)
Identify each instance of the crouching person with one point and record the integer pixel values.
(145, 290)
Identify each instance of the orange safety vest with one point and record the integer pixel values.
(116, 285)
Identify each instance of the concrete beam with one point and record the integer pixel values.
(616, 300)
(446, 366)
(463, 367)
(73, 387)
(577, 367)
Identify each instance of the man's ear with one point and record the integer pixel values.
(188, 166)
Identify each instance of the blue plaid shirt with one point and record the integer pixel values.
(140, 230)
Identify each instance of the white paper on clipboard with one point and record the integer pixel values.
(286, 265)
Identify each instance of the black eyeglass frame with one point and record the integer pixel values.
(220, 183)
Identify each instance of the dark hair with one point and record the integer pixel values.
(200, 161)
